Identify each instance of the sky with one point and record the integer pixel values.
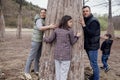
(101, 9)
(40, 3)
(98, 6)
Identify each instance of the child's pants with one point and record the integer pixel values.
(61, 69)
(104, 60)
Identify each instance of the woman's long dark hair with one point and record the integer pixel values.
(63, 23)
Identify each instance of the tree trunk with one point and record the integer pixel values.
(19, 26)
(57, 9)
(110, 29)
(2, 23)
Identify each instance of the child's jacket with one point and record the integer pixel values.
(106, 46)
(64, 41)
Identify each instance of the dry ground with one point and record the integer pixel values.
(13, 54)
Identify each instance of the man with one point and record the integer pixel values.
(91, 29)
(36, 46)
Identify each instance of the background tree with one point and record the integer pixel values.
(2, 22)
(110, 29)
(19, 26)
(56, 9)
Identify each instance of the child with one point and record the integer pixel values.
(105, 48)
(65, 38)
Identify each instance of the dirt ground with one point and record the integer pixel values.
(14, 52)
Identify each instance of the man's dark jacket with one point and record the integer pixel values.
(91, 33)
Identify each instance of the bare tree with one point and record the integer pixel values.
(56, 9)
(2, 22)
(85, 1)
(110, 29)
(19, 26)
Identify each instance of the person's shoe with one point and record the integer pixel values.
(102, 68)
(28, 76)
(107, 69)
(36, 73)
(91, 77)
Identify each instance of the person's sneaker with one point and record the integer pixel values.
(102, 68)
(36, 73)
(28, 76)
(91, 77)
(107, 69)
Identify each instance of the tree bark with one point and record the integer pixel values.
(2, 23)
(57, 9)
(19, 26)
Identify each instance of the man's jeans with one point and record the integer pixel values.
(93, 56)
(35, 54)
(62, 69)
(104, 60)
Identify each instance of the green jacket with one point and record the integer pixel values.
(37, 35)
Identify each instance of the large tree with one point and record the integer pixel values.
(56, 9)
(2, 22)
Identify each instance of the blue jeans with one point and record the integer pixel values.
(93, 58)
(104, 60)
(35, 54)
